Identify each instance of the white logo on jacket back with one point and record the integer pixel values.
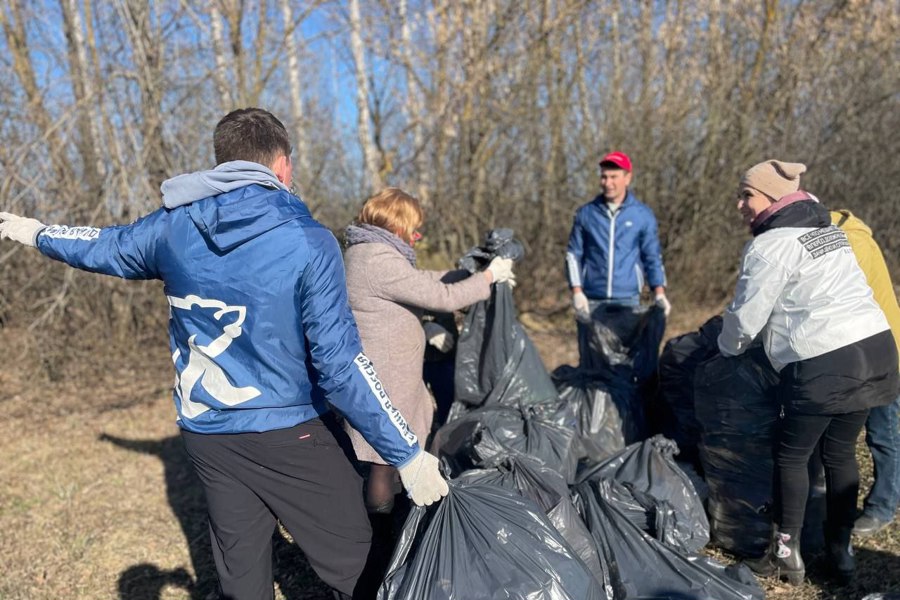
(201, 363)
(824, 240)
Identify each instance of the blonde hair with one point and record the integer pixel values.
(394, 210)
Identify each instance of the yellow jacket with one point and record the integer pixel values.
(871, 261)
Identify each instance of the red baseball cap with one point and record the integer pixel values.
(620, 159)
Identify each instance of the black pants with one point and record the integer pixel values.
(300, 476)
(799, 437)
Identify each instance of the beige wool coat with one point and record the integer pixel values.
(388, 296)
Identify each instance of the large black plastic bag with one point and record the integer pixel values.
(677, 364)
(607, 413)
(645, 512)
(736, 405)
(484, 437)
(570, 525)
(649, 468)
(483, 542)
(696, 478)
(632, 342)
(548, 489)
(500, 242)
(640, 567)
(496, 361)
(543, 485)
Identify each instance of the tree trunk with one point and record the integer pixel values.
(364, 120)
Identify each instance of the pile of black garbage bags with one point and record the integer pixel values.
(559, 491)
(723, 413)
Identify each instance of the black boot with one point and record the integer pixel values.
(782, 559)
(840, 552)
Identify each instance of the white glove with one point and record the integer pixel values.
(663, 303)
(501, 271)
(423, 480)
(582, 308)
(438, 336)
(19, 229)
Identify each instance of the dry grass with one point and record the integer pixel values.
(98, 499)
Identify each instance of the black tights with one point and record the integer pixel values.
(382, 485)
(800, 436)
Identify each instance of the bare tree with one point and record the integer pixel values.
(93, 168)
(364, 119)
(495, 111)
(13, 21)
(222, 69)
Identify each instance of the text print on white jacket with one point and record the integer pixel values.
(801, 287)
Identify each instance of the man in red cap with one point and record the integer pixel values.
(612, 249)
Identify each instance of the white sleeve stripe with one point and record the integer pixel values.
(574, 270)
(65, 232)
(367, 370)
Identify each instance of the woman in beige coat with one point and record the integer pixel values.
(388, 295)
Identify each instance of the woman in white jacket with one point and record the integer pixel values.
(801, 288)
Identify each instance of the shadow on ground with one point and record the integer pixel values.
(292, 572)
(876, 572)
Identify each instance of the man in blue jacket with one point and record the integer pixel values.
(613, 247)
(263, 343)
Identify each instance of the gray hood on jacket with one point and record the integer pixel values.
(226, 177)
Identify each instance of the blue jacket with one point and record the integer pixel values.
(261, 332)
(609, 255)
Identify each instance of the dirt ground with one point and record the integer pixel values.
(98, 499)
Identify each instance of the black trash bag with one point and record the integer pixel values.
(631, 344)
(648, 514)
(649, 468)
(484, 437)
(605, 410)
(496, 361)
(497, 243)
(543, 485)
(570, 525)
(691, 472)
(640, 567)
(737, 407)
(677, 364)
(484, 542)
(548, 489)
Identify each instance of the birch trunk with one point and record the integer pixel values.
(292, 48)
(370, 152)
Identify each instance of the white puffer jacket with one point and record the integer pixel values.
(801, 287)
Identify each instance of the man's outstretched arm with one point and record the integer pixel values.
(125, 251)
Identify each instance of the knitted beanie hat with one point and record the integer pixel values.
(774, 178)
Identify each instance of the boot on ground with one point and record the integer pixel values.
(840, 553)
(782, 559)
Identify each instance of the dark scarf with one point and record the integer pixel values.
(371, 234)
(800, 209)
